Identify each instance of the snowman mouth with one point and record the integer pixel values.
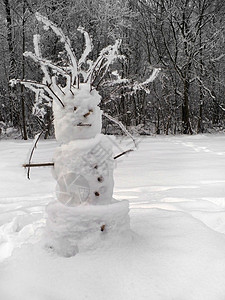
(84, 124)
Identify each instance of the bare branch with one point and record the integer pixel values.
(120, 124)
(123, 153)
(36, 139)
(51, 164)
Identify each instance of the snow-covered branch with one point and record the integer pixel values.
(216, 59)
(88, 47)
(46, 63)
(211, 94)
(64, 39)
(207, 89)
(36, 86)
(37, 50)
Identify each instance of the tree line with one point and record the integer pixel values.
(184, 38)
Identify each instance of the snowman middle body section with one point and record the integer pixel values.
(83, 164)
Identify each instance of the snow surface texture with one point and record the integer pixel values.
(176, 190)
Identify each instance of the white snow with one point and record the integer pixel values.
(176, 190)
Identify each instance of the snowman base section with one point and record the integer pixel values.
(70, 230)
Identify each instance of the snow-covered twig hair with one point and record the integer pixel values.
(89, 70)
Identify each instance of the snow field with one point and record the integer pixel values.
(176, 190)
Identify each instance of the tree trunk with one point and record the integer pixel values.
(49, 123)
(200, 128)
(22, 100)
(10, 73)
(185, 110)
(10, 42)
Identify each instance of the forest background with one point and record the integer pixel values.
(184, 38)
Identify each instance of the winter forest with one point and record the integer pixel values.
(185, 39)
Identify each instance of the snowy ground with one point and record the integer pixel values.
(176, 189)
